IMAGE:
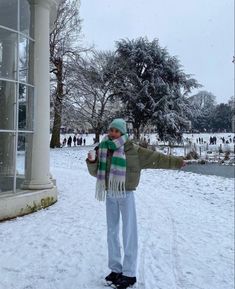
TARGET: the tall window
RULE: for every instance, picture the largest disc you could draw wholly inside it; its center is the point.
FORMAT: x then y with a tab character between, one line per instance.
16	90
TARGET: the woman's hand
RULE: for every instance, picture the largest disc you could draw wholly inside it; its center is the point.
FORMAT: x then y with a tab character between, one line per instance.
92	155
89	156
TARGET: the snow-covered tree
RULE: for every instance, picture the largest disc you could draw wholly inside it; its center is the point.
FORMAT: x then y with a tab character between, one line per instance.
153	86
221	118
203	100
203	105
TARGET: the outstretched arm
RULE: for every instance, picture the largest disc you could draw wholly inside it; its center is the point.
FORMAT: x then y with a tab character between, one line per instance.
154	160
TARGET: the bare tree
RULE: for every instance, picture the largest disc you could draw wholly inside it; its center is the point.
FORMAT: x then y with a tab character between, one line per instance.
93	95
64	44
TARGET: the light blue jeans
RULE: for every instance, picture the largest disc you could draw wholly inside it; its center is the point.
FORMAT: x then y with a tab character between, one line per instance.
125	206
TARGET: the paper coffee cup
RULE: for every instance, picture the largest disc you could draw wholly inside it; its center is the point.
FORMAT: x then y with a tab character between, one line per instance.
92	155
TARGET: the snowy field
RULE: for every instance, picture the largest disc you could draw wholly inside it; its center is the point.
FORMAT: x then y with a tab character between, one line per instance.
186	138
185	224
192	137
178	151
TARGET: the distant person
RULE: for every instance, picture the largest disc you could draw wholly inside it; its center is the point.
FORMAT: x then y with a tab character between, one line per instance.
84	141
214	140
69	141
74	140
64	142
211	140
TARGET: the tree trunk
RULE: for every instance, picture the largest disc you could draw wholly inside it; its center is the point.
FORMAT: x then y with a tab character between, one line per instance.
97	136
55	138
98	129
97	133
136	131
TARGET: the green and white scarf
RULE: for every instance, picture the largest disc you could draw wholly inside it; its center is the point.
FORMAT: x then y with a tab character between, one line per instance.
117	174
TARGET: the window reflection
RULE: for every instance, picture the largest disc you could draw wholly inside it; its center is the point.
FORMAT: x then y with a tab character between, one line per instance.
23	157
7	104
25	49
23	58
8	13
7	161
26	18
26	106
20	158
8	54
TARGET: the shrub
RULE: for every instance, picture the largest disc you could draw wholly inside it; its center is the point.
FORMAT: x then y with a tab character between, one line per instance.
226	156
192	155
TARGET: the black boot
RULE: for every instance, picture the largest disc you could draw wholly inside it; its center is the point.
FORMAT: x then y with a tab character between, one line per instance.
125	282
112	278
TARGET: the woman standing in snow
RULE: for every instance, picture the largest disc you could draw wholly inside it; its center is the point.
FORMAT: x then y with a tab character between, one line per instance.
117	167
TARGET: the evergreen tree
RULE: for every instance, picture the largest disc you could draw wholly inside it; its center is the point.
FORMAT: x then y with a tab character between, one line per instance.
222	118
153	86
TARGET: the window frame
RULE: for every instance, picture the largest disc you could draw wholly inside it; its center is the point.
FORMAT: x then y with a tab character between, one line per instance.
16	131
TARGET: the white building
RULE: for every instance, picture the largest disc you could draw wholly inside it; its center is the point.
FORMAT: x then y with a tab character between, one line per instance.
25	181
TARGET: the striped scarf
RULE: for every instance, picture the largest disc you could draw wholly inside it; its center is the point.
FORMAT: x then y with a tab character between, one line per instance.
117	174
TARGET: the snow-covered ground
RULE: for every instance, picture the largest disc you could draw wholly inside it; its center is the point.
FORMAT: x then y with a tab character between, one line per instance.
192	138
185	224
153	137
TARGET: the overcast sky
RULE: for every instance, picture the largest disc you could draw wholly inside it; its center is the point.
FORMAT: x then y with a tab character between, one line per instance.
199	32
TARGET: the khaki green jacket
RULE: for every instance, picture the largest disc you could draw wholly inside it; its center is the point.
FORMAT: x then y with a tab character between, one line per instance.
139	158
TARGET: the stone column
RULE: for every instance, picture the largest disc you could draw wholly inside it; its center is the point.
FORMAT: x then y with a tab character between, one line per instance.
37	175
